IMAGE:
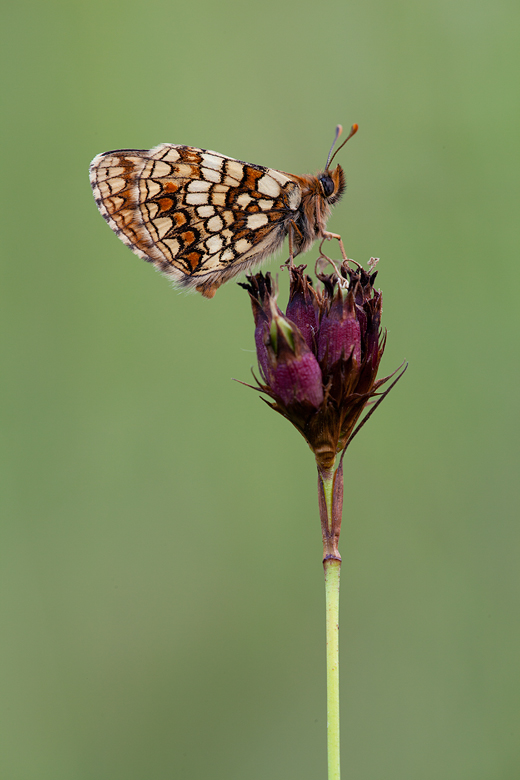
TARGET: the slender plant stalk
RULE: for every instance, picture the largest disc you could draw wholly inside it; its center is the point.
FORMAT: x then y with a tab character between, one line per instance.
332	569
330	491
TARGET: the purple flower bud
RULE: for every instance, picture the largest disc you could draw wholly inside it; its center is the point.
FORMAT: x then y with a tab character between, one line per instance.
302	308
287	365
339	336
260	289
261	341
296	378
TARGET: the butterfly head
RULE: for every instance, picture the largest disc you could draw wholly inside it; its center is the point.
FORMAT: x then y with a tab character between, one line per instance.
332	184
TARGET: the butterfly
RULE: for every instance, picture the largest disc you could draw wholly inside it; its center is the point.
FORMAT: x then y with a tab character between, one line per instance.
202	218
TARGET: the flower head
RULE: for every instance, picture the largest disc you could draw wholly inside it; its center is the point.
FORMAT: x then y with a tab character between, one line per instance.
319	362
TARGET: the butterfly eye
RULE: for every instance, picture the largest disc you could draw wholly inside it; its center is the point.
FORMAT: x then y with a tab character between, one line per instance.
327	185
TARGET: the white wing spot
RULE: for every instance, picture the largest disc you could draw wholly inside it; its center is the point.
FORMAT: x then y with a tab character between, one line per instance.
214	243
205	211
295	196
243	200
197	185
197	198
210	174
212	161
215	224
235	170
161	169
218	198
255	221
280	178
242	246
268	186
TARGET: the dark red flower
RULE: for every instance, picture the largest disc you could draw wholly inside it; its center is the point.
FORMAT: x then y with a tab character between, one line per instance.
319	362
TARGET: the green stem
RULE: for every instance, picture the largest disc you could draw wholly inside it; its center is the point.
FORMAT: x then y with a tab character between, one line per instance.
330	491
332	569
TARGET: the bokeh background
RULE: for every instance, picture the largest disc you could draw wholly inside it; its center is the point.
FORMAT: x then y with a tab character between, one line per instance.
162	594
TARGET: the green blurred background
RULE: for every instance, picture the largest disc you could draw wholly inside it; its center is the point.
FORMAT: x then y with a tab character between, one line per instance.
162	594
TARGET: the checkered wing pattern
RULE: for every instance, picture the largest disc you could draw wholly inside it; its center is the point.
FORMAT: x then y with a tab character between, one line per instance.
200	217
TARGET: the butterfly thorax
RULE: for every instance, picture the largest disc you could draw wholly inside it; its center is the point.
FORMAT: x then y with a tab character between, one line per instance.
318	194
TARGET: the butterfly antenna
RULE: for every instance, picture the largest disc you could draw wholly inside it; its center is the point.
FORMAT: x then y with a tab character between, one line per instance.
353	131
339	130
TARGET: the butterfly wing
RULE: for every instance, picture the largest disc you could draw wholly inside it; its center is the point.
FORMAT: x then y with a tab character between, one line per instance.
200	217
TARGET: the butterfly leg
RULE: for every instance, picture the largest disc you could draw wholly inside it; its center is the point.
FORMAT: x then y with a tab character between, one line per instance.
328	236
291	243
292	229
